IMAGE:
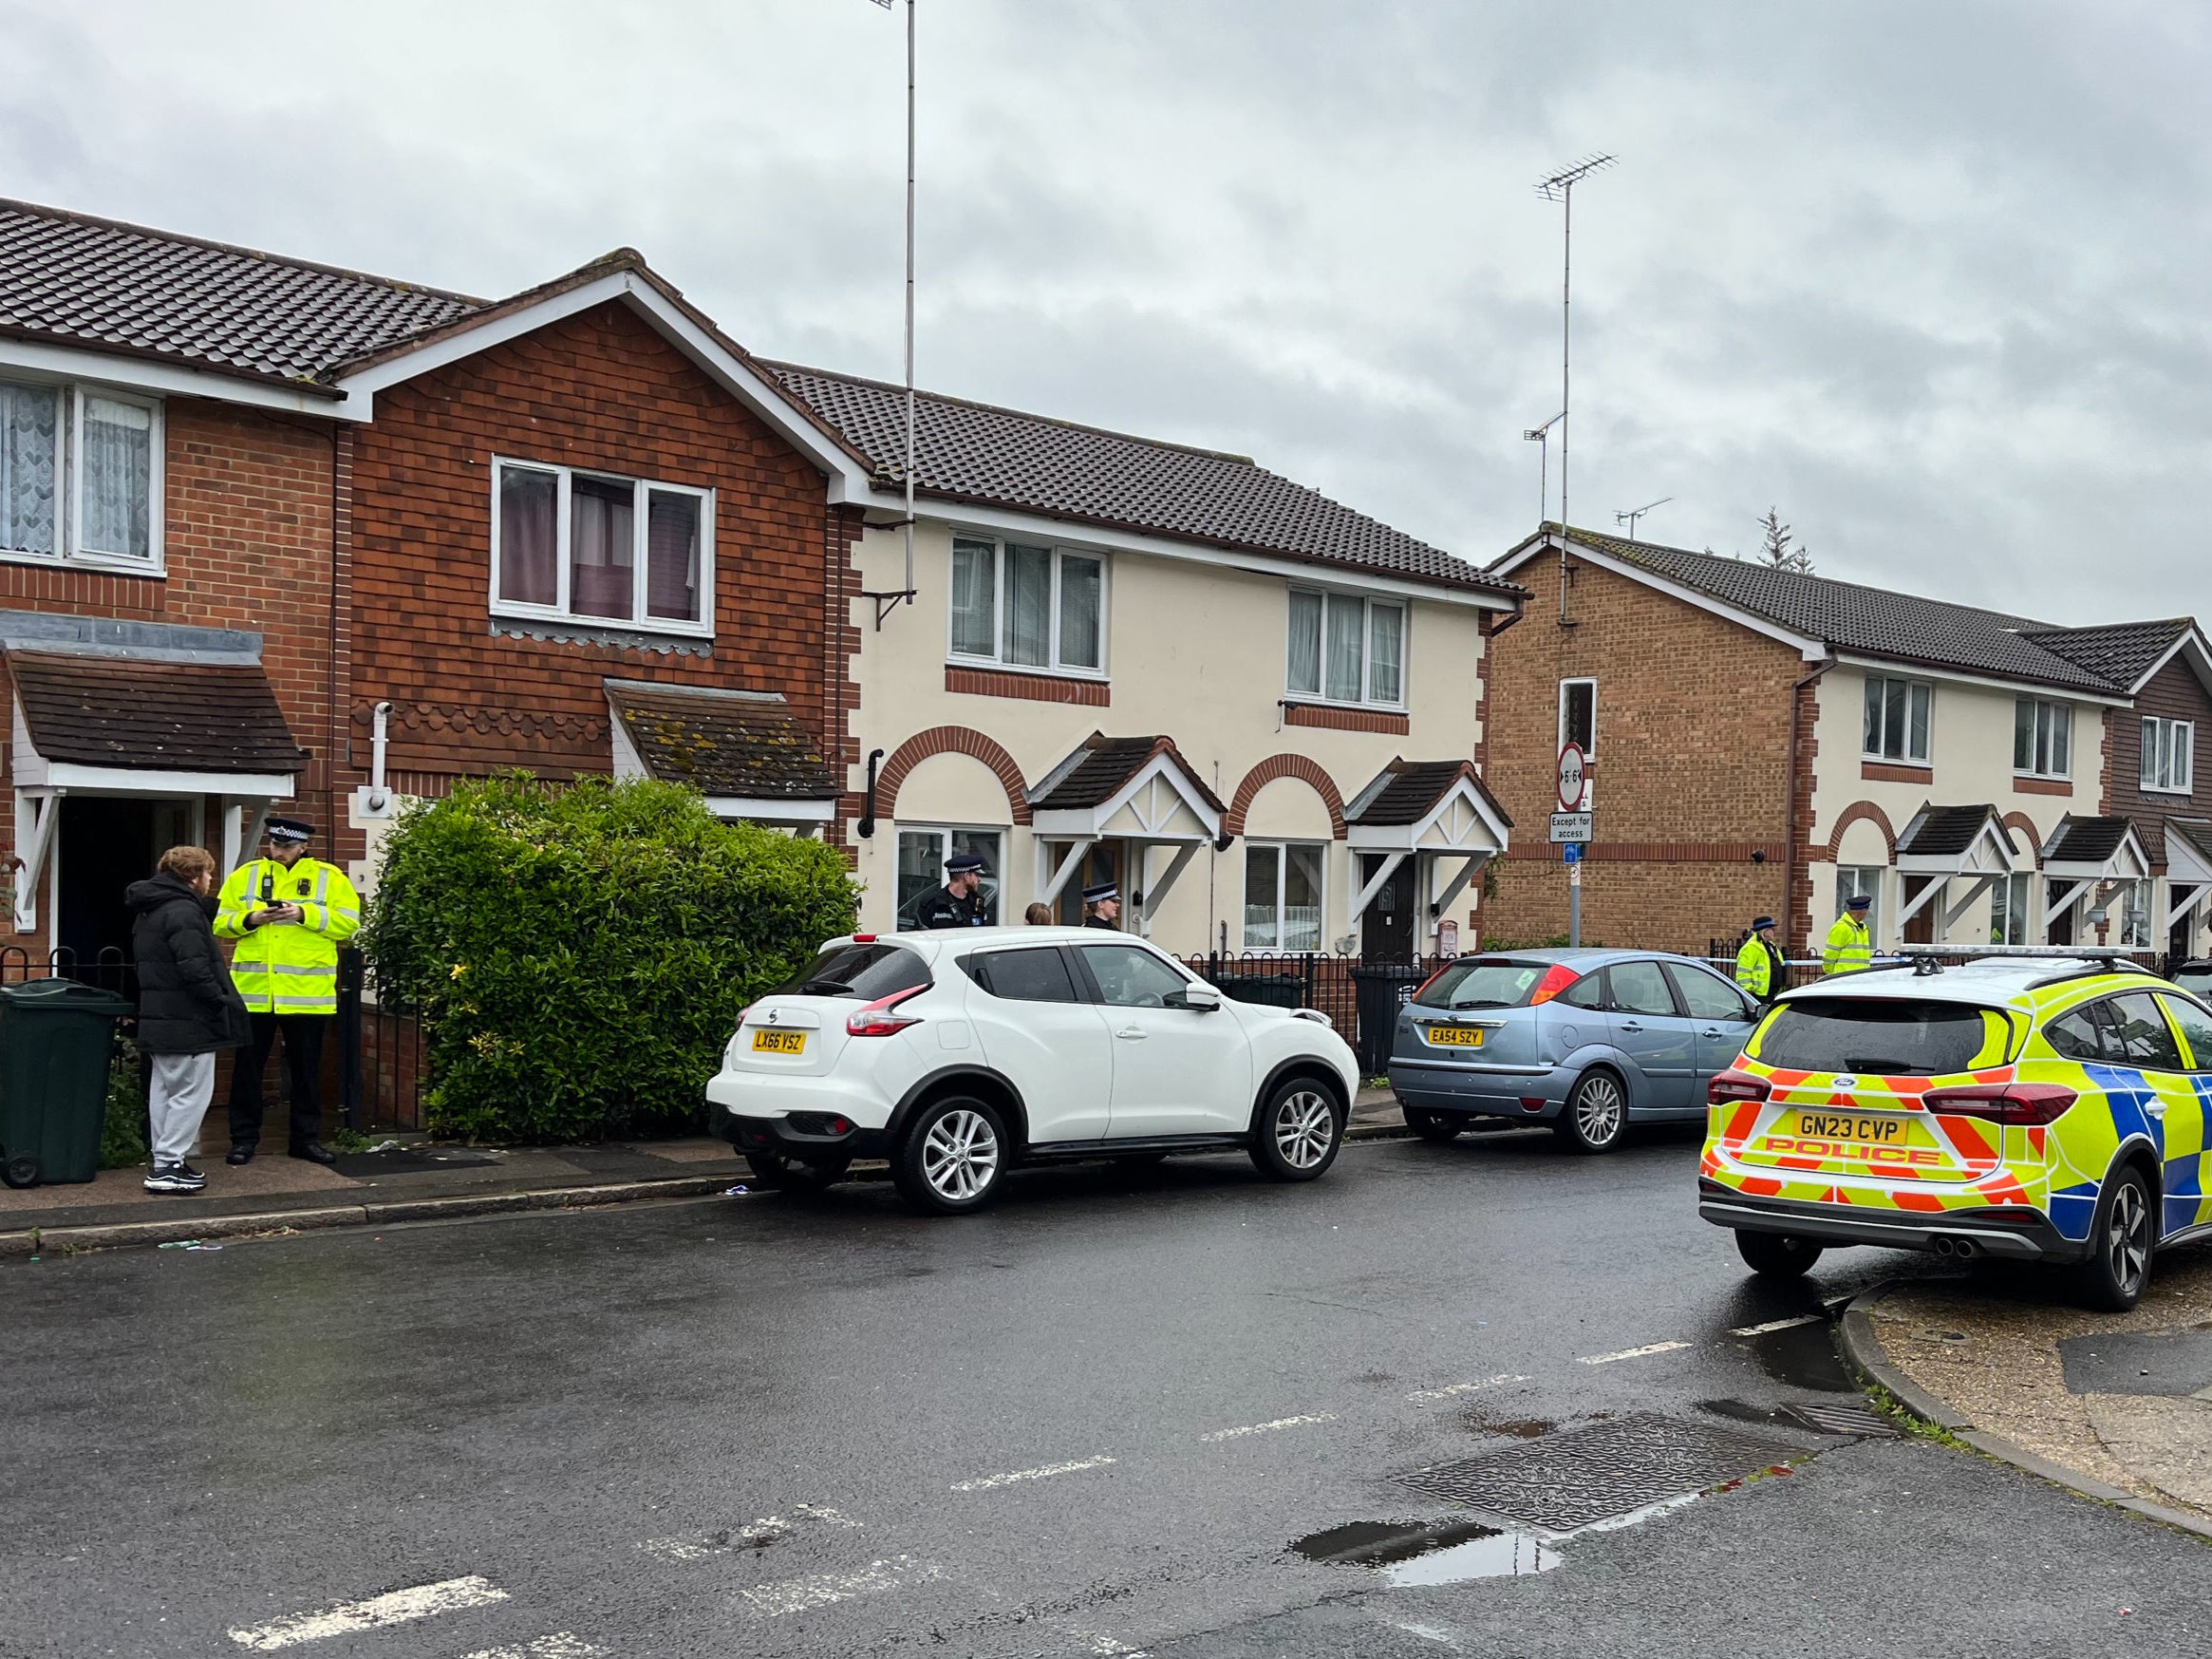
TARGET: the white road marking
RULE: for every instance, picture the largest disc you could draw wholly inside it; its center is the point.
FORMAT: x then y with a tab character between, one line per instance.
985	1482
560	1645
797	1595
1221	1434
1777	1324
755	1535
1107	1648
397	1608
1631	1354
1446	1393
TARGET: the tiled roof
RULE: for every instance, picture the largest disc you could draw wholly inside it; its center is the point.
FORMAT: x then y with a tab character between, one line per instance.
1404	792
723	742
1877	621
1099	765
95	283
1943	832
2085	841
153	716
975	452
2119	654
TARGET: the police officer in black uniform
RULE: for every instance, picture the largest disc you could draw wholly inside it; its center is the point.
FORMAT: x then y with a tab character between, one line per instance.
960	902
1102	907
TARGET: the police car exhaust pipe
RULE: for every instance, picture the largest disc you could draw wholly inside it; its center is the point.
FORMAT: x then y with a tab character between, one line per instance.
1955	1249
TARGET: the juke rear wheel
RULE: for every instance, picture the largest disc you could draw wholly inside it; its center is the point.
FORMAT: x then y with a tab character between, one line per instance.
2122	1241
953	1157
1299	1131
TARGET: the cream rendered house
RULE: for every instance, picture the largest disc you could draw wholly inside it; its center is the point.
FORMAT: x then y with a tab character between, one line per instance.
1258	711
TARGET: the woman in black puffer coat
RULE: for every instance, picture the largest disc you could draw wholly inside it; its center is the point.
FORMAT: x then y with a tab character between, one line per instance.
188	1008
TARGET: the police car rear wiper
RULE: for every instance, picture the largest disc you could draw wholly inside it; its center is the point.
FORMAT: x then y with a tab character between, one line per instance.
1887	1067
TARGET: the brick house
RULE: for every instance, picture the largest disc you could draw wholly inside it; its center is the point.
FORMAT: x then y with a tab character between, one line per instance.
1113	658
267	527
1769	740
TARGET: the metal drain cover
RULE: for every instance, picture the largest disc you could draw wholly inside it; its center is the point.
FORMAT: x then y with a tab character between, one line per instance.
1567	1480
1863	1421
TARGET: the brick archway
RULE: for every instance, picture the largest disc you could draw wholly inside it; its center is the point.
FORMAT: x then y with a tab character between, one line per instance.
1276	766
950	739
1861	812
2029	832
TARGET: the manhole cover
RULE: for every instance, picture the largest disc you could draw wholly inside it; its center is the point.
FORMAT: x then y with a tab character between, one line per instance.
1859	1419
1568	1480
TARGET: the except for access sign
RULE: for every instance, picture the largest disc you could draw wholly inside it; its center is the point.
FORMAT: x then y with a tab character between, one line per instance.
1572	826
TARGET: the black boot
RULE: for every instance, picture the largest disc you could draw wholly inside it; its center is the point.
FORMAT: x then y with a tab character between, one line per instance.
314	1152
241	1152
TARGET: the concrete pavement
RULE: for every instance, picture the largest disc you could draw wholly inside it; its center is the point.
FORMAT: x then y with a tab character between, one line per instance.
1120	1413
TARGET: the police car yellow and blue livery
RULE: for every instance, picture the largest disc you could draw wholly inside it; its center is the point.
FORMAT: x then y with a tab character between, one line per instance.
2035	1107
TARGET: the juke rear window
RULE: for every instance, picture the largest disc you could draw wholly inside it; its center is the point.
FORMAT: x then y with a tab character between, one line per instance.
866	971
1881	1037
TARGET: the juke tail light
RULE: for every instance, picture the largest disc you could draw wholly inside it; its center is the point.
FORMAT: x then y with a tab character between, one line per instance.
881	1017
1731	1088
2003	1103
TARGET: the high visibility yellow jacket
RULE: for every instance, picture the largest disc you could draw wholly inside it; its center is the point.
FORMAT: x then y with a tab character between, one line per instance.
1847	946
1754	968
287	968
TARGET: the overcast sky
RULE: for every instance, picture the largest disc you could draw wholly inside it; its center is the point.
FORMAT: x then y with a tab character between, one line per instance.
1934	277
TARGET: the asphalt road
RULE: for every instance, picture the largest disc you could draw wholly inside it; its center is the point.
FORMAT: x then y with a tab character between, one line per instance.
1090	1421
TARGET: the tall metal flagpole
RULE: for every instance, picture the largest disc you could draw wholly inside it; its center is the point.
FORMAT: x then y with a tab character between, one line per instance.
1560	187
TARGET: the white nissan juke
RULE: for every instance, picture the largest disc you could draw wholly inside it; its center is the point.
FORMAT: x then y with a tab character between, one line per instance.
957	1055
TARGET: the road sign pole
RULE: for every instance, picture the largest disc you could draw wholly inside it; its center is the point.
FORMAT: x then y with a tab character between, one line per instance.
1574	904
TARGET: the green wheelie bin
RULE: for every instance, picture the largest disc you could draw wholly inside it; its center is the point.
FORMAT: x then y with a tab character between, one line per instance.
57	1039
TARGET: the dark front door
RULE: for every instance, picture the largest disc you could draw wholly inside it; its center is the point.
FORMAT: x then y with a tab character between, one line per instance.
1386	926
1921	930
104	844
2177	937
2061	927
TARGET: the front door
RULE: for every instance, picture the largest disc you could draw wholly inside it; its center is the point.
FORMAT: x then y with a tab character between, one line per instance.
2177	936
103	843
1103	862
1921	928
1176	1070
1386	926
2060	930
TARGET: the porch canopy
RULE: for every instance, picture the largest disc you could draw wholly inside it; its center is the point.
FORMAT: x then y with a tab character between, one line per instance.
2088	852
1963	851
1436	812
2189	864
1137	790
104	707
745	751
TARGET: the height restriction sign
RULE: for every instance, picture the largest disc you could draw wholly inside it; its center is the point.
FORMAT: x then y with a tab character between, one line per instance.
1573	777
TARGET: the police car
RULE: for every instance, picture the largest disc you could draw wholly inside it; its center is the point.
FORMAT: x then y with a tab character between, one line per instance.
2026	1106
958	1054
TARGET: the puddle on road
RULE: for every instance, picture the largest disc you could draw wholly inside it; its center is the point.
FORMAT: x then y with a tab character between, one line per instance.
1410	1553
1741	1412
1804	1356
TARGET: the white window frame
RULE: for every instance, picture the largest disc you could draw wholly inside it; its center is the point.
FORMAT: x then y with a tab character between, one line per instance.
1366	699
995	874
1591	681
1282	851
997	657
2050	717
1874	888
70	472
2177	739
2005	915
1908	758
641	526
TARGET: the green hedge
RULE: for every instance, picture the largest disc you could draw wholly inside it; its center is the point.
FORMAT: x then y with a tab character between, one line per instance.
578	954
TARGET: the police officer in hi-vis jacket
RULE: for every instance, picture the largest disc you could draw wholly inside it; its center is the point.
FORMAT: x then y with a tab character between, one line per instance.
289	914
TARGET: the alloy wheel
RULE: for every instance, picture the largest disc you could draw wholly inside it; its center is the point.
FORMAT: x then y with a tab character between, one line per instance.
2128	1237
960	1155
1598	1110
1305	1128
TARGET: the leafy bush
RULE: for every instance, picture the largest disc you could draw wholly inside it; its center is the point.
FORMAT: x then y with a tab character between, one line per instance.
579	954
124	1131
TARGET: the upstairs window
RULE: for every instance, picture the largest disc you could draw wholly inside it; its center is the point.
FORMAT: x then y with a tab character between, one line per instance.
80	476
1578	715
596	547
2168	755
2042	737
1028	607
1344	648
1897	720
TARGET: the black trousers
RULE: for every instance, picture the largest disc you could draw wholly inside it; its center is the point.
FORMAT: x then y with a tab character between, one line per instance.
302	1063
